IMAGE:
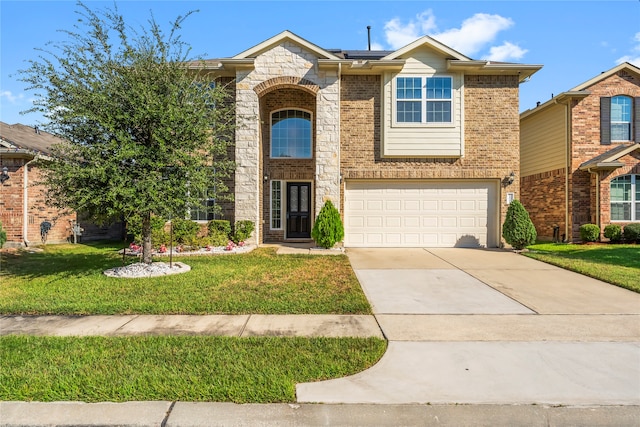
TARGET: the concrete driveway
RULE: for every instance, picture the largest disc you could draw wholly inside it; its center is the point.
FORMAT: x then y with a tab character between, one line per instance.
475	326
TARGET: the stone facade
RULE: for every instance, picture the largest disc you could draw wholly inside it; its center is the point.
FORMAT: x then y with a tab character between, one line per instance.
290	70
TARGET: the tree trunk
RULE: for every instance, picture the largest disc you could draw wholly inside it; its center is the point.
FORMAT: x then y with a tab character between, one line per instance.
146	238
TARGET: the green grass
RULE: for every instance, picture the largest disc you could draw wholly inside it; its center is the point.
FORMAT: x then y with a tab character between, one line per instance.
69	279
221	369
616	264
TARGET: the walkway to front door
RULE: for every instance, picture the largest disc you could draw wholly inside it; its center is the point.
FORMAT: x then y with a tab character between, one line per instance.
298	210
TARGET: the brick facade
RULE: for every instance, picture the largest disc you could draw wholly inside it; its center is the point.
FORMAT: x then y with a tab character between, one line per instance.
552	198
545	200
491	150
12	208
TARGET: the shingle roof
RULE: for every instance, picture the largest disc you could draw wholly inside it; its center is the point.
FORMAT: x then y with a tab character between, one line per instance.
24	137
609	159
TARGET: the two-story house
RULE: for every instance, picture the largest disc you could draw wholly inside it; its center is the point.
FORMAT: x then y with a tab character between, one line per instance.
417	147
580	156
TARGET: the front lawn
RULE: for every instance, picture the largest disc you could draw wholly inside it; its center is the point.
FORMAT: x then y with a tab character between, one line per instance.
221	369
616	264
69	279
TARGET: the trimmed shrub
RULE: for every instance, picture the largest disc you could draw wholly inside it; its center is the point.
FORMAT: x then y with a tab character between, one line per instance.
518	230
632	233
185	231
217	226
613	232
158	234
328	228
589	232
242	231
3	236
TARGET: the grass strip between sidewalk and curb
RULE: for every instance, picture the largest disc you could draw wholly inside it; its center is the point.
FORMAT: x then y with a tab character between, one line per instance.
221	369
69	280
615	264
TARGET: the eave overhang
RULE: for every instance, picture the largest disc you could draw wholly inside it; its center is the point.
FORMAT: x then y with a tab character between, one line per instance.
17	153
609	160
562	98
348	66
523	71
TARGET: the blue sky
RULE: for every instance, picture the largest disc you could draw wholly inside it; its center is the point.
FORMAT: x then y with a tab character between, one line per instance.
573	40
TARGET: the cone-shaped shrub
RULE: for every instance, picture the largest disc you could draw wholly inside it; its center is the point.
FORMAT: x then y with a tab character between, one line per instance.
328	229
518	230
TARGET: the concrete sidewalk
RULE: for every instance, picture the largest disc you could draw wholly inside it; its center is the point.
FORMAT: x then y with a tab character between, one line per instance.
243	325
188	414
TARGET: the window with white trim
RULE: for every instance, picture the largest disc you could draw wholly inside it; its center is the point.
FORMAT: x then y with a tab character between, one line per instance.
625	198
276	205
424	99
291	134
204	211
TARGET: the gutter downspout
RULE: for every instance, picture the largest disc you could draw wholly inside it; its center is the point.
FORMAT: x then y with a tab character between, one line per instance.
25	201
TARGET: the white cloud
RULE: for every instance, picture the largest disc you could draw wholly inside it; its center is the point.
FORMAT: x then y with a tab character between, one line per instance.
634	57
474	35
505	52
11	97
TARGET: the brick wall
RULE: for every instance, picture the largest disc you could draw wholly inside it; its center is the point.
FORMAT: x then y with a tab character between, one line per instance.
491	135
585	145
544	199
12	208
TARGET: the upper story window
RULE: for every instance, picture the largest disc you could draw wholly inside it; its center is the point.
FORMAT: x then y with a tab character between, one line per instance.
621	118
291	134
625	198
424	99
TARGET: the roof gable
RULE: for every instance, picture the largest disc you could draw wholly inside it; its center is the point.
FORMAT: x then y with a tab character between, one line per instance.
431	43
279	39
610	159
606	74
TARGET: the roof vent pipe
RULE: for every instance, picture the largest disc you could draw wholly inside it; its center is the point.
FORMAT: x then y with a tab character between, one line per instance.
369	35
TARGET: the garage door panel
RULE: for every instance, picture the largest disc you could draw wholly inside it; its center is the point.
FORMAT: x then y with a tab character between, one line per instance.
420	213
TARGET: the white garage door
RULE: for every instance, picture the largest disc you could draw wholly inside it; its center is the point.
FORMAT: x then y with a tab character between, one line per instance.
420	214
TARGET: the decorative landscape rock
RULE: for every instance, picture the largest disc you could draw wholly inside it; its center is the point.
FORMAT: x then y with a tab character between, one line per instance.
154	269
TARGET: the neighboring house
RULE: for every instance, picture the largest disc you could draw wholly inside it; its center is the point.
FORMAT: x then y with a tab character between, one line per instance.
580	156
417	147
23	212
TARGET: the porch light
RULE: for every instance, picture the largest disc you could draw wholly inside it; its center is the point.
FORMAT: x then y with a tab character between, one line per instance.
511	178
5	175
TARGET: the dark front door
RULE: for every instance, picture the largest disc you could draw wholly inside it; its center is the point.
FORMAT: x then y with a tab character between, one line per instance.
298	210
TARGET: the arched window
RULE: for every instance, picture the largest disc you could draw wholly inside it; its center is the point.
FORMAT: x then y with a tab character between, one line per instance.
620	118
625	198
291	134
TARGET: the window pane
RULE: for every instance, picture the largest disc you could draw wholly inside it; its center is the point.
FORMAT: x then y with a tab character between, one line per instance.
621	189
621	211
409	88
621	131
439	111
276	209
409	111
204	211
439	88
621	118
293	198
304	198
291	134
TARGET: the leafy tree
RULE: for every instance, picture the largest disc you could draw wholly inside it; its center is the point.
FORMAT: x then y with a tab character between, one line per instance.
146	131
518	230
328	228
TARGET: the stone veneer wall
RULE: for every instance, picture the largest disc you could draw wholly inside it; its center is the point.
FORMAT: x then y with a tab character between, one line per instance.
491	132
585	145
285	60
283	169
